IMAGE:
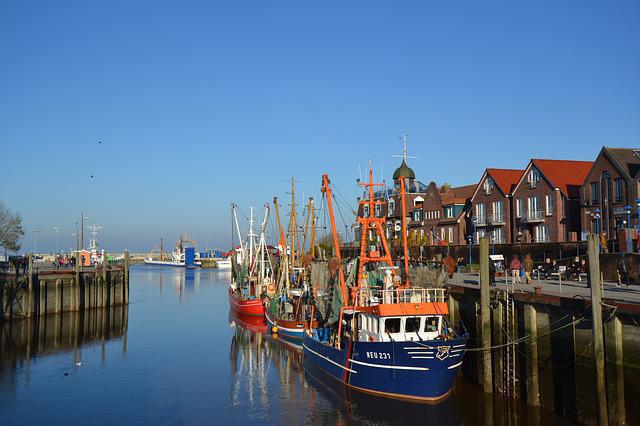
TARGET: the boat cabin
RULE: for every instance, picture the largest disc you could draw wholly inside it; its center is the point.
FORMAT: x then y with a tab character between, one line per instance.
405	328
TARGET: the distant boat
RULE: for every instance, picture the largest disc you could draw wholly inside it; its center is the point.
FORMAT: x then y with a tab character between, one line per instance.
184	255
224	263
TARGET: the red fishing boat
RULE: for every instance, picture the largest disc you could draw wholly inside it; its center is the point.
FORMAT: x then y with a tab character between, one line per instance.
245	306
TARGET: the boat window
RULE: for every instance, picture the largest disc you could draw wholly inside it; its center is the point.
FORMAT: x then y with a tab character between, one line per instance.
412	325
374	324
431	325
392	325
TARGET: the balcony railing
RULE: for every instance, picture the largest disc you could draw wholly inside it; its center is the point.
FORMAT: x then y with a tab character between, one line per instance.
481	220
496	219
371	297
532	216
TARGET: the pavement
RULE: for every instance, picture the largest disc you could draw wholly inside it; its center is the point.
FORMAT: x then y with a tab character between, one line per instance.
567	289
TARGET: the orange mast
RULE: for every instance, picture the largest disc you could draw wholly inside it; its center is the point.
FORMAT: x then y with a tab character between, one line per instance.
372	226
336	243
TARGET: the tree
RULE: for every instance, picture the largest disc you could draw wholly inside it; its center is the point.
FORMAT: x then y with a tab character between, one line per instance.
10	228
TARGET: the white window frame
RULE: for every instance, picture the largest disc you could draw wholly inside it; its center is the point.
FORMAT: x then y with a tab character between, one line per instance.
391	207
549	204
519	207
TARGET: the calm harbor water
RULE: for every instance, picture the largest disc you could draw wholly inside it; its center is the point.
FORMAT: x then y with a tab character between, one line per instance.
176	355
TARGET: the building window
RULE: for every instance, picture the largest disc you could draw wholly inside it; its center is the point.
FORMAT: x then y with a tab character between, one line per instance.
451	234
448	211
392	207
619	185
417	215
498	236
542	234
480	212
488	185
519	207
549	204
378	210
595	192
534	177
365	210
497	211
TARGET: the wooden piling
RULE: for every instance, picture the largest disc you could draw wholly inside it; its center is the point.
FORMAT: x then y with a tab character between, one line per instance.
531	353
615	372
58	289
498	339
125	287
593	248
485	310
42	293
30	272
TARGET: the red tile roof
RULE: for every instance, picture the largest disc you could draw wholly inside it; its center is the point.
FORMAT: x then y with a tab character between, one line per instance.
568	175
458	195
505	179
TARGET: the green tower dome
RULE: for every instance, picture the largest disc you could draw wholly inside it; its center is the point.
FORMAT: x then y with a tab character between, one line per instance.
404	171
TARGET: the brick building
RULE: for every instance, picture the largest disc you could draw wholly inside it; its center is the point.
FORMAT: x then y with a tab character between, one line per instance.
456	205
612	184
546	201
491	204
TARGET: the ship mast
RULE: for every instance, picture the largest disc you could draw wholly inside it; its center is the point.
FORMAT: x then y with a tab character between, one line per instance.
282	241
326	189
235	219
251	236
292	227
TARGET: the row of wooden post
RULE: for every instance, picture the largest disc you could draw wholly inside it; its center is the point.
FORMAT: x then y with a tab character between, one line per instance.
530	323
102	298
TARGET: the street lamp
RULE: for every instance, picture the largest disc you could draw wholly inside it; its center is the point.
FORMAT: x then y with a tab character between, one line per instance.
596	216
55	229
628	208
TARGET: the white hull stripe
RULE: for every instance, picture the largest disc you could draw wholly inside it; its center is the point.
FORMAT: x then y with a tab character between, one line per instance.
420	353
451	367
422	348
330	360
421	357
392	367
457	350
458	346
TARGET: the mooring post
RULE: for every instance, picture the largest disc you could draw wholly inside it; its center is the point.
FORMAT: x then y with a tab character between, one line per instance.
42	304
105	266
58	296
452	310
531	348
615	373
126	278
485	312
499	339
593	248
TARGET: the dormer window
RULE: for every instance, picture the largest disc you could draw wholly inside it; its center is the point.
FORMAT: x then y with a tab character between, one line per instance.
533	178
365	211
488	185
392	207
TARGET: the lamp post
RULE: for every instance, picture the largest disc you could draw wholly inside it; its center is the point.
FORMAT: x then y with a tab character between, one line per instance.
493	244
628	208
475	221
470	241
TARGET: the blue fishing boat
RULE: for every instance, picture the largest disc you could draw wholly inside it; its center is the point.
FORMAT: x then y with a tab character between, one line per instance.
391	340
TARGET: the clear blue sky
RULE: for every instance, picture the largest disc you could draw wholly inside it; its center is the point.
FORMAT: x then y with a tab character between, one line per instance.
201	103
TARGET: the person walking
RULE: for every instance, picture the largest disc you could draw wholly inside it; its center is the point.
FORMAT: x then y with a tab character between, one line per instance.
515	266
528	268
492	272
603	242
623	273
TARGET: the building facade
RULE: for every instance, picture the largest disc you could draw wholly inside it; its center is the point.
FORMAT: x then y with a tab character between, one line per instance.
546	201
610	192
491	205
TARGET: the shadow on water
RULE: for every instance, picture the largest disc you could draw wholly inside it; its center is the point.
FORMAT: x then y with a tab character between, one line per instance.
323	400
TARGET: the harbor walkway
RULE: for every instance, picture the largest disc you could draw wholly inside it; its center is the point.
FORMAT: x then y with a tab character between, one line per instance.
564	289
